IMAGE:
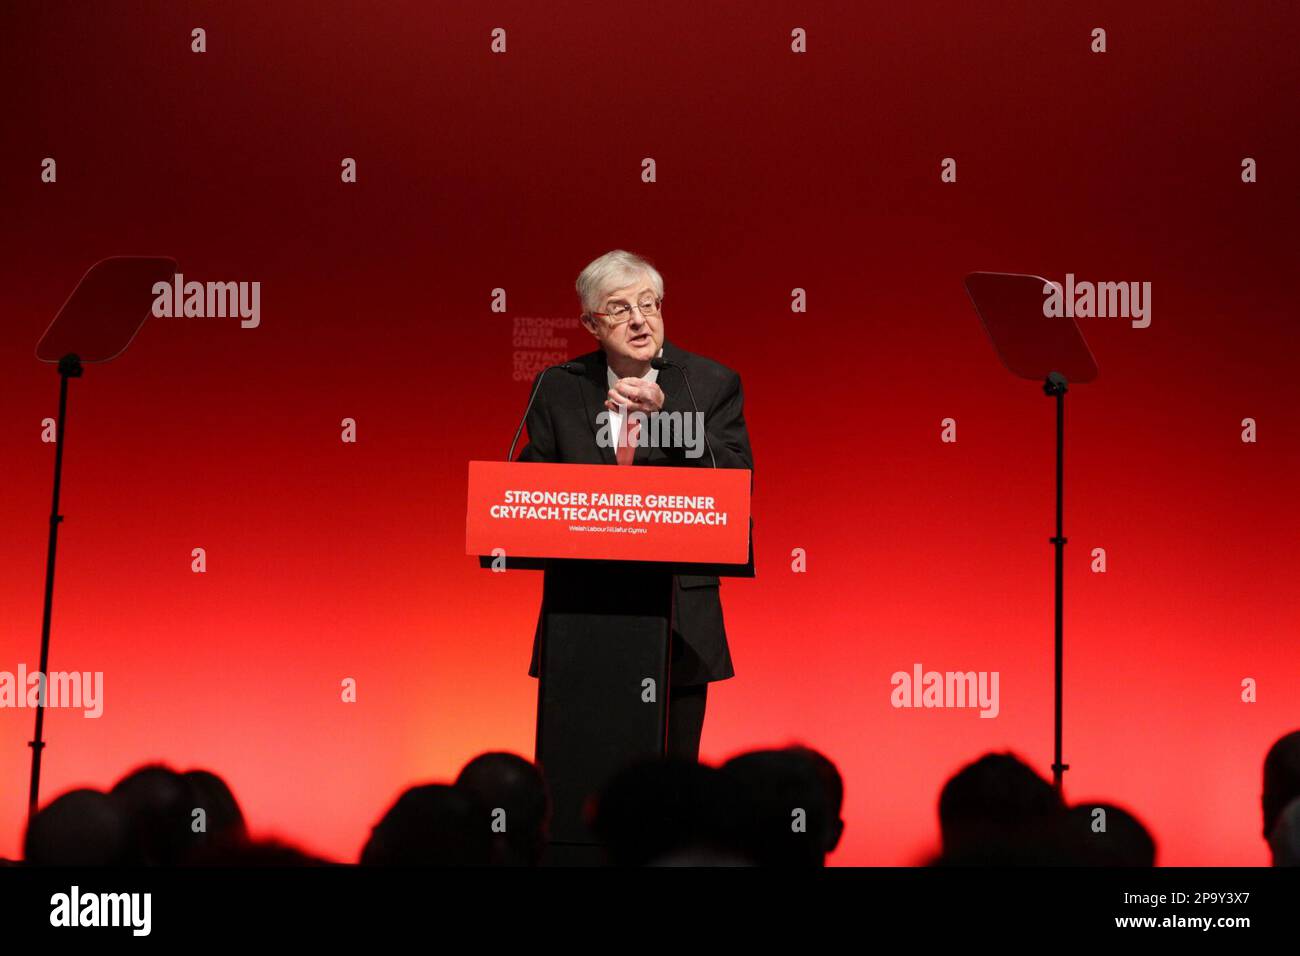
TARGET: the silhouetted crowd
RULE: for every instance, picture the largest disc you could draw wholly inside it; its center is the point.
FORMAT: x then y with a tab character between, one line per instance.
763	808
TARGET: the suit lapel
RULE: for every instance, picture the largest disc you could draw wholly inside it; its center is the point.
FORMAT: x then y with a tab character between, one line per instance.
671	381
594	389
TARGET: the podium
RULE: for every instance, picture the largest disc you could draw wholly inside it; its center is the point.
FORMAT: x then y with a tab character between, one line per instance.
609	540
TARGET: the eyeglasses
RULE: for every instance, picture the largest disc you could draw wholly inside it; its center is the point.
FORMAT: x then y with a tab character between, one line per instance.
622	312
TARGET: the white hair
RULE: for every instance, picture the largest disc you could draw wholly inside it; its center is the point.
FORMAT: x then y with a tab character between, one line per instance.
614	270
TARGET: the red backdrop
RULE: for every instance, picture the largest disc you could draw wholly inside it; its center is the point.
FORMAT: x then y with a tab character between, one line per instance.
775	171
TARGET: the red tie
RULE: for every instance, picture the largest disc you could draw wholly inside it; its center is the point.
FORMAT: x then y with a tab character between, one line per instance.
627	447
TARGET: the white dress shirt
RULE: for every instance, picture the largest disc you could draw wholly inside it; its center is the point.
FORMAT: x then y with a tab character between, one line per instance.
620	411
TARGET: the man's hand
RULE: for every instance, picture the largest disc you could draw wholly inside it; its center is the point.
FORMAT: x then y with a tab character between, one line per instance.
636	393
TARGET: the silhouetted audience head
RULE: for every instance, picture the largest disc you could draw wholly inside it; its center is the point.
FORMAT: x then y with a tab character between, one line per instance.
80	828
992	801
431	825
223	819
767	807
158	805
1111	837
245	852
1284	841
833	786
512	793
656	809
1281	778
786	815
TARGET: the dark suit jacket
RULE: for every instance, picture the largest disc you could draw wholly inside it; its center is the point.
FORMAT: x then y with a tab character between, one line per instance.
562	426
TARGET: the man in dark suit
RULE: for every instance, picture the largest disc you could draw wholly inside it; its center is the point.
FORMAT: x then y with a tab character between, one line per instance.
575	415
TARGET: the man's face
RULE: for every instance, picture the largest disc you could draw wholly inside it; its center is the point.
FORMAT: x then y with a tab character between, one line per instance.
636	336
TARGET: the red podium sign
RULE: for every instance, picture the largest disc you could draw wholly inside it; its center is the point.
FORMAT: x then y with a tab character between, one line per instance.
608	512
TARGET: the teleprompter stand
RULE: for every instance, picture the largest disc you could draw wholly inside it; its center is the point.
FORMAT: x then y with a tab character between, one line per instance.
96	324
1050	350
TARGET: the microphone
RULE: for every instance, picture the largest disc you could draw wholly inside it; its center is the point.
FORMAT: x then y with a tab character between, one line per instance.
663	363
573	368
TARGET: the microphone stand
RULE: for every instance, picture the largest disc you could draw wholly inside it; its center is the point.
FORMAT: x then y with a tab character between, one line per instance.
573	368
662	363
